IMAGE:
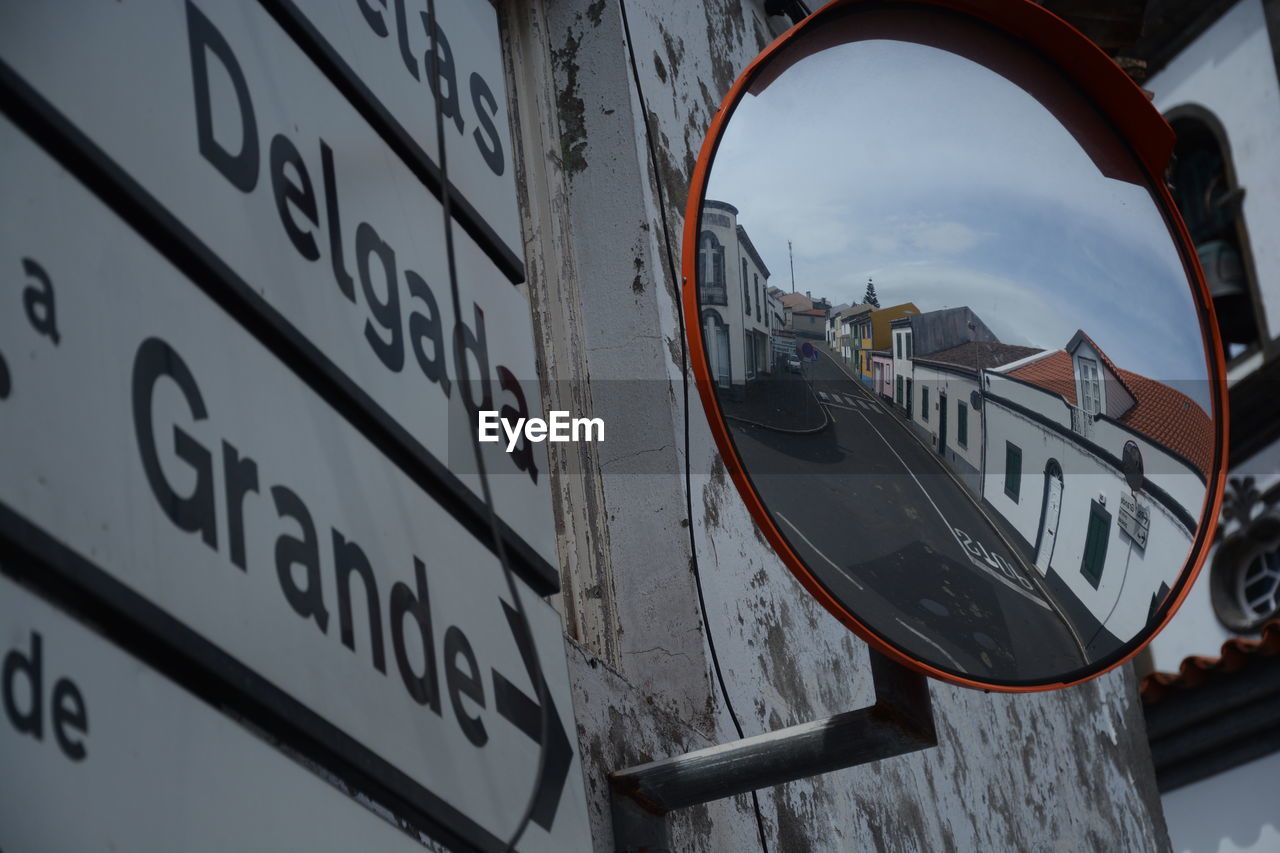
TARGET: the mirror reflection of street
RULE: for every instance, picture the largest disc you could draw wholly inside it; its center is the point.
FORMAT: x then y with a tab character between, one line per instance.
951	410
893	458
880	521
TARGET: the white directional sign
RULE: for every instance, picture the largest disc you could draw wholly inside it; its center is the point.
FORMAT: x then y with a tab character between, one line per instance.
1135	518
98	749
174	457
388	49
225	124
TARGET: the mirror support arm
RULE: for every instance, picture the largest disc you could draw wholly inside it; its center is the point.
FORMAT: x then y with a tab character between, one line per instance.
900	721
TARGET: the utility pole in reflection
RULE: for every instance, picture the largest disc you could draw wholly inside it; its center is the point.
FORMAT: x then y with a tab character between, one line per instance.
791	258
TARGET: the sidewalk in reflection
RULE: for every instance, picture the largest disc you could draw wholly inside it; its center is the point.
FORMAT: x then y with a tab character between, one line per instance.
782	401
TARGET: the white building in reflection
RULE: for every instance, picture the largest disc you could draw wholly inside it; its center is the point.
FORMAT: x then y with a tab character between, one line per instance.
1100	473
782	341
949	416
924	334
733	287
833	325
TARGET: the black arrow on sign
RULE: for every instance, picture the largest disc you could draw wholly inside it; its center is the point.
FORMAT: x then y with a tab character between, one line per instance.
526	715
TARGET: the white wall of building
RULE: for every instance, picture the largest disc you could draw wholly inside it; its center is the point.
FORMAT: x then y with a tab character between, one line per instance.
745	314
1212	73
1130	574
924	405
1230	71
882	375
776	322
902	363
1195	629
957	390
1242	805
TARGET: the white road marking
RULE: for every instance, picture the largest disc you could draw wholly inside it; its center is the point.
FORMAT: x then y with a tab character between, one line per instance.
823	395
954	663
972	559
861	405
815	550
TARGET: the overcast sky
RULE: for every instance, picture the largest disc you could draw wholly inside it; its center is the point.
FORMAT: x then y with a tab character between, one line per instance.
948	185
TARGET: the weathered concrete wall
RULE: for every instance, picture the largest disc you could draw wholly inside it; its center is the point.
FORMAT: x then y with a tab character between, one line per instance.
1061	771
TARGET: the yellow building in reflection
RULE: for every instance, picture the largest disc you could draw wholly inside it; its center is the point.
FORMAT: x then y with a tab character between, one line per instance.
871	332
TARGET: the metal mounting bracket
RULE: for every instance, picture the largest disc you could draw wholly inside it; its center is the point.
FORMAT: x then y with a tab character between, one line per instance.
900	721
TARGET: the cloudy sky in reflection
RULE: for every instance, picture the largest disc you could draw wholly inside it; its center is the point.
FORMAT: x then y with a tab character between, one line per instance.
948	185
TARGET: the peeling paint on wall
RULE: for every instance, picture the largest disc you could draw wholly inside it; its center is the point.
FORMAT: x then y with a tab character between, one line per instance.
570	107
726	23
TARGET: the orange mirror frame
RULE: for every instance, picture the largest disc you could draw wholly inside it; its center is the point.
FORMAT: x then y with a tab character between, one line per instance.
1150	138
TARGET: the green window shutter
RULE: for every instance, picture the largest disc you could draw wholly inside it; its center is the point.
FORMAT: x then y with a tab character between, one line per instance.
1095	543
962	424
924	403
1012	470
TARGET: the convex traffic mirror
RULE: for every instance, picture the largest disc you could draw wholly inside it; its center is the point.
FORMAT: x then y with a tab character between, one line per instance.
952	340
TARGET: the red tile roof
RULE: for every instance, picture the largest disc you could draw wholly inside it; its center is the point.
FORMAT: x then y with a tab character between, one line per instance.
1161	413
1170	418
1052	373
1196	670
